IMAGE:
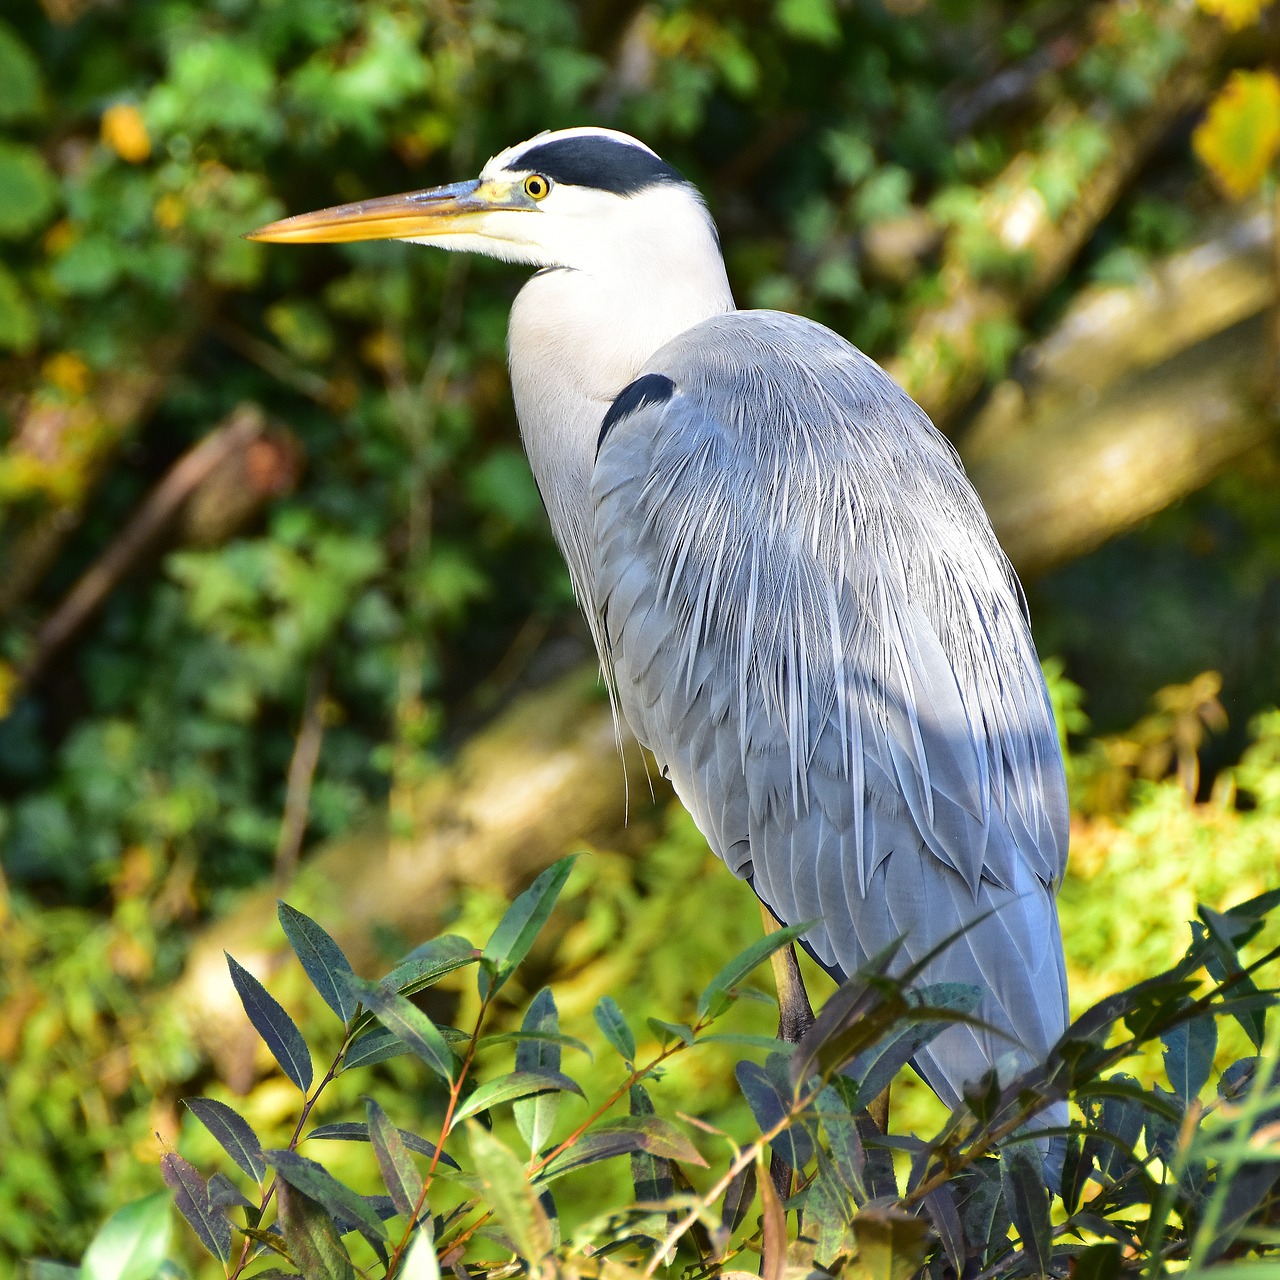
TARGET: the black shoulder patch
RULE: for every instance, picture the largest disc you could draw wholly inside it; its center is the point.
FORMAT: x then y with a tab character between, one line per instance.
603	163
649	388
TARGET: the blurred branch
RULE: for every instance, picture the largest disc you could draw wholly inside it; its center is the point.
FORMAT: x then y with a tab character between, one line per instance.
70	439
1142	394
219	482
302	771
945	360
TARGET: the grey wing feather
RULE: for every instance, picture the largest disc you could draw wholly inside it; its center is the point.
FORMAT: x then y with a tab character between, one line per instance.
810	623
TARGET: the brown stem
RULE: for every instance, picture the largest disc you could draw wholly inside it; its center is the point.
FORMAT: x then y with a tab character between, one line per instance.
302	769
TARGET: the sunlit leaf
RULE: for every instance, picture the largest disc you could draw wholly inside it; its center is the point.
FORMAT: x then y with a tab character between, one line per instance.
316	1182
519	927
405	1020
891	1244
1240	136
232	1133
358	1131
274	1025
420	1261
535	1117
507	1189
1236	14
518	1084
613	1024
621	1137
311	1236
191	1195
132	1243
27	190
718	992
1188	1055
399	1173
321	958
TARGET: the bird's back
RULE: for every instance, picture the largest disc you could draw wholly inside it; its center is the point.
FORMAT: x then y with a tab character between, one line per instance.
809	621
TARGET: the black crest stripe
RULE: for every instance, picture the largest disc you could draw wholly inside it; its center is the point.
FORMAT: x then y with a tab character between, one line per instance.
649	388
603	163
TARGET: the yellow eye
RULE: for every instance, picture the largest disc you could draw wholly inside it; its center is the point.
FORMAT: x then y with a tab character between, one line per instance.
536	186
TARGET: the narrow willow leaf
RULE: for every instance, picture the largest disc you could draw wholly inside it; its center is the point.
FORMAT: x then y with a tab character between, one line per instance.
191	1195
891	1244
358	1131
1098	1262
773	1222
668	1031
311	1236
547	1037
274	1025
519	927
404	1019
828	1214
848	1156
321	958
519	1084
316	1182
224	1194
613	1024
940	1205
718	993
769	1105
1027	1198
650	1174
420	1261
513	1200
424	966
132	1243
535	1116
399	1173
1188	1055
232	1133
739	1196
373	1047
621	1137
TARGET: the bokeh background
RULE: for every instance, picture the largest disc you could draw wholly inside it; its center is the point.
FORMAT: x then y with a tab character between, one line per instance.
279	610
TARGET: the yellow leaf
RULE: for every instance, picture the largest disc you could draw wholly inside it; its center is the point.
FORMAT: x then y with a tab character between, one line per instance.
1235	14
8	687
1240	135
125	132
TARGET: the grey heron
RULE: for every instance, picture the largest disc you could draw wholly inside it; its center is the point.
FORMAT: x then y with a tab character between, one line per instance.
795	593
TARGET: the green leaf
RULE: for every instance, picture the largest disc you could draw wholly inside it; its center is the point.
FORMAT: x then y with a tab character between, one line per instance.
424	966
404	1019
358	1131
420	1261
317	1183
191	1195
27	190
399	1173
891	1244
535	1117
19	327
321	958
507	1190
1188	1055
668	1031
44	1269
811	20
1098	1262
21	94
520	926
376	1046
613	1023
621	1137
719	991
132	1243
311	1237
232	1133
1027	1198
273	1024
650	1174
770	1106
519	1084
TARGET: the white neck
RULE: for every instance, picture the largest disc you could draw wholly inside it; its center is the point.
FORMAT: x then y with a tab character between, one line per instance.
579	335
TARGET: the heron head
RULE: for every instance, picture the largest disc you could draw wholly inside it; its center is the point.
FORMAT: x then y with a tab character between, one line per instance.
578	198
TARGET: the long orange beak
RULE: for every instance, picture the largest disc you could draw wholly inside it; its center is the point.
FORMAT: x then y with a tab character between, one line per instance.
438	211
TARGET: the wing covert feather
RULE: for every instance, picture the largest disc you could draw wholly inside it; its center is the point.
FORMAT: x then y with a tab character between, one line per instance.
811	625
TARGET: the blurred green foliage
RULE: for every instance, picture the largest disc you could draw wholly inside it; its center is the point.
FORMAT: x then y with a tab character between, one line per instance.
143	777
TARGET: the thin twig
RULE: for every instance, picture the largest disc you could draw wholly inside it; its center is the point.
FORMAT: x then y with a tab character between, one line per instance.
302	771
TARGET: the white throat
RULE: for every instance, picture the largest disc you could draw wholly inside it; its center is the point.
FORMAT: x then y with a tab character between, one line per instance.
580	333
